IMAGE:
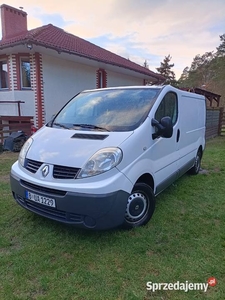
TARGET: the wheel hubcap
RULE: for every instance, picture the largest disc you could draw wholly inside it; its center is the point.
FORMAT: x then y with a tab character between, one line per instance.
136	207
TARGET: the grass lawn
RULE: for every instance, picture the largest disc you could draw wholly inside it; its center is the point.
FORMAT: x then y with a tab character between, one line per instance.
184	241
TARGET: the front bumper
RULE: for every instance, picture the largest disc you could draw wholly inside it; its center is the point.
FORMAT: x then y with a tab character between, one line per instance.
95	211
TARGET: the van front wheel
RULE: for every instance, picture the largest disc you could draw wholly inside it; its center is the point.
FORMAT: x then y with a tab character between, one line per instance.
140	206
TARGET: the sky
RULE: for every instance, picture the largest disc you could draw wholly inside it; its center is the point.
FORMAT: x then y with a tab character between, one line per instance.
141	30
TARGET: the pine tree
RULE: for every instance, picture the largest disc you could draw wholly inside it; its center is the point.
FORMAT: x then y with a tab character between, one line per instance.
207	71
201	72
221	48
184	75
165	70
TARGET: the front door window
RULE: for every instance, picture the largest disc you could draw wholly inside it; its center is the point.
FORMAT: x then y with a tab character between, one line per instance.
3	75
25	73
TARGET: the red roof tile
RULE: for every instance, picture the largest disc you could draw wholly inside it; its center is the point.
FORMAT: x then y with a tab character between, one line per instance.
56	38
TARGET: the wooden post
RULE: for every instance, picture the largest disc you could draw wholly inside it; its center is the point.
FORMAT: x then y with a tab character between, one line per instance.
19	112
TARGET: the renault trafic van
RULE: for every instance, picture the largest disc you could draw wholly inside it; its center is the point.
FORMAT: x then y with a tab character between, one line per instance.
102	159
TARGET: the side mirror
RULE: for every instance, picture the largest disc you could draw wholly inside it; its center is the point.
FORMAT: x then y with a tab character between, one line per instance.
165	127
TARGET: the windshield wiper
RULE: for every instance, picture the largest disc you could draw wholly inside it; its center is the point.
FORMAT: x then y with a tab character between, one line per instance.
90	126
61	125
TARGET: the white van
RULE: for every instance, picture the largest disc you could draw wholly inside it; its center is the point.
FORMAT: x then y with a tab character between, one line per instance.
100	162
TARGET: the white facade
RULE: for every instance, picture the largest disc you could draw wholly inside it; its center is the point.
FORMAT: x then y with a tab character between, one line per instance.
44	67
117	79
12	94
11	109
62	77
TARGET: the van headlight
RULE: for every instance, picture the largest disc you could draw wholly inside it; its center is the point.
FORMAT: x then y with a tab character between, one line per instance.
24	150
102	161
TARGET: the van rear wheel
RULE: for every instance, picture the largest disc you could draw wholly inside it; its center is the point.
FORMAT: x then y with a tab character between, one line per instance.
196	168
140	206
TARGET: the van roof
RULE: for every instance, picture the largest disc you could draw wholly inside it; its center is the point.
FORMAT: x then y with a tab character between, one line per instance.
127	87
160	87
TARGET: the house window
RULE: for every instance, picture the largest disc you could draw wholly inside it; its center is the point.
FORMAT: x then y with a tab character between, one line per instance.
101	78
3	75
25	73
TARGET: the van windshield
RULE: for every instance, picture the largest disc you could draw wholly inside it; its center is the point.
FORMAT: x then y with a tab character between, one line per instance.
110	109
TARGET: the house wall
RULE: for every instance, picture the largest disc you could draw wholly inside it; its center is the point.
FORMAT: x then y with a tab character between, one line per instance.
13	94
117	79
58	81
62	80
11	109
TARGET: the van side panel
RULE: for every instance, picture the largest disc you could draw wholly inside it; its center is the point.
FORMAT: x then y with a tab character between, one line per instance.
165	159
192	113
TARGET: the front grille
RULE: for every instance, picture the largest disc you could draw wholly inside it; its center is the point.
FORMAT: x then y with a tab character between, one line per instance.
39	188
32	165
49	212
61	172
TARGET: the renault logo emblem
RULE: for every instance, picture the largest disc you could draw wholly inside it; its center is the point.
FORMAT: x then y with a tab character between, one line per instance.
45	170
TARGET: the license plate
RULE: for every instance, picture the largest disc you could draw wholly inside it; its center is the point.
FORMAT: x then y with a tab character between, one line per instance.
40	199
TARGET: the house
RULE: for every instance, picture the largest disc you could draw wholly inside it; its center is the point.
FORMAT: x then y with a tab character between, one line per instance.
42	68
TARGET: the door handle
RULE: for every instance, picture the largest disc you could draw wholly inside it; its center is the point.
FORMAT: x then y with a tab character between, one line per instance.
178	135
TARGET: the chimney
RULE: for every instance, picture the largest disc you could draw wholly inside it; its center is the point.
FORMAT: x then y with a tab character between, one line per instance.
14	21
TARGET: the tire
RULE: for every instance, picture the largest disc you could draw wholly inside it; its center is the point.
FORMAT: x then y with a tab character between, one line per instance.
140	206
196	168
